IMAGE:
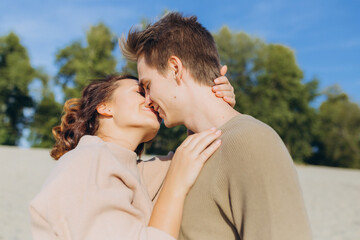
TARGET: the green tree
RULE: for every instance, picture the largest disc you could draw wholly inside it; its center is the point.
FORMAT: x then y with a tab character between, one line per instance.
338	136
239	52
78	63
47	115
282	100
269	86
16	73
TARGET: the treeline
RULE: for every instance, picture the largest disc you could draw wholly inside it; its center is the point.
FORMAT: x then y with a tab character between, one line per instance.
269	85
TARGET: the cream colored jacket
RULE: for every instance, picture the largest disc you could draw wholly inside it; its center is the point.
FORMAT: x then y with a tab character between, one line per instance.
97	191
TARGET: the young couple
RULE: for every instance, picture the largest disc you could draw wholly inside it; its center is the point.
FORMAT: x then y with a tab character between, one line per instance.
247	189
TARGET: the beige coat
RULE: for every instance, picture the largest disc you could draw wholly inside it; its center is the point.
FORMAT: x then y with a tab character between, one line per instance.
96	191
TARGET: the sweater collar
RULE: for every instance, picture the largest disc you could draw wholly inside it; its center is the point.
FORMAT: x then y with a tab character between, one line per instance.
118	150
230	124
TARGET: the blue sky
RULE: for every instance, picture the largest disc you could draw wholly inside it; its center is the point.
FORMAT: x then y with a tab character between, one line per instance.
324	34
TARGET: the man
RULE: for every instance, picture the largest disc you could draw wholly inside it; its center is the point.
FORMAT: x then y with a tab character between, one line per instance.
249	188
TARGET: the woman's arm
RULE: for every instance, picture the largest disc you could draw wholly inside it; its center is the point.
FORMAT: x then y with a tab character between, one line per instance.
185	166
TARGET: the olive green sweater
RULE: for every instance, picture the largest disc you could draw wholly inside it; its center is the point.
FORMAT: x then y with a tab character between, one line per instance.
247	190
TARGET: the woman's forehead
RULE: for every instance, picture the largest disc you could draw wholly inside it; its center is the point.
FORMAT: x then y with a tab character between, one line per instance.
128	82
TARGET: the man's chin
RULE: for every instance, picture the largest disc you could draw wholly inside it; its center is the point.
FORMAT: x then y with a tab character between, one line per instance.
169	124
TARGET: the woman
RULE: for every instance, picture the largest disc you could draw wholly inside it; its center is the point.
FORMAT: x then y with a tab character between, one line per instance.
96	190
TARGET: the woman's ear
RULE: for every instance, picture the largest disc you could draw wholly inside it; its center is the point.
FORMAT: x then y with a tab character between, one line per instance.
176	67
104	110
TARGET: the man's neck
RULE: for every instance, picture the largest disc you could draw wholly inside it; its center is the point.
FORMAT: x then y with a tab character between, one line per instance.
207	111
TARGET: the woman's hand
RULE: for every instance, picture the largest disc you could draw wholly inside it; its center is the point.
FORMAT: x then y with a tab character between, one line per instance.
189	159
223	88
185	166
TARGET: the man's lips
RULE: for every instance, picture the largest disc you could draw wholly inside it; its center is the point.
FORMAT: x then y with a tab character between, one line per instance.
158	116
161	113
155	112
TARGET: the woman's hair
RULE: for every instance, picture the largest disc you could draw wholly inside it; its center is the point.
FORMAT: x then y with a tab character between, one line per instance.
81	117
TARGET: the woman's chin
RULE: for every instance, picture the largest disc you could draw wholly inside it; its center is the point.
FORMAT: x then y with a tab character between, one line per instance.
151	133
148	138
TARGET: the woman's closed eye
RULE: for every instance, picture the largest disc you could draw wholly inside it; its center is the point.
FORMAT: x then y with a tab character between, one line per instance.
141	91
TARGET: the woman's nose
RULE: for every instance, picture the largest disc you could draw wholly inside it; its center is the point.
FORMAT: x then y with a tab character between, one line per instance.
148	101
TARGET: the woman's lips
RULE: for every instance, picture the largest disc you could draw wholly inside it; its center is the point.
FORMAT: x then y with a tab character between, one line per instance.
154	112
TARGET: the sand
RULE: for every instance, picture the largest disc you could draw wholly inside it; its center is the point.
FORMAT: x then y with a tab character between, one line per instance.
332	198
332	195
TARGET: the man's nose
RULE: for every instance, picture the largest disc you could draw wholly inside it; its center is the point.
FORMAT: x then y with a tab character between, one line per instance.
148	101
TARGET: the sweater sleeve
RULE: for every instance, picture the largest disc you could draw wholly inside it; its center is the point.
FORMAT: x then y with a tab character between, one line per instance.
99	214
153	173
40	227
112	215
95	198
258	190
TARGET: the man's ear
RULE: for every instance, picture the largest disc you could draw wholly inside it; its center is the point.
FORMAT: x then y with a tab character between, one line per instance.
104	110
176	68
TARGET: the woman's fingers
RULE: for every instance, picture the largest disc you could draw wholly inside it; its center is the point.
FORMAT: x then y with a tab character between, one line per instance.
187	140
194	138
225	90
189	159
222	87
223	70
208	152
199	137
227	95
205	142
230	100
221	80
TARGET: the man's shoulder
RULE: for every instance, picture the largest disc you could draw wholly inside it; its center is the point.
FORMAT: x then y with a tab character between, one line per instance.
249	141
245	128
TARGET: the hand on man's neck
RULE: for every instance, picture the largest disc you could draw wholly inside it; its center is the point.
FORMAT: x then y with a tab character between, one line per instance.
205	110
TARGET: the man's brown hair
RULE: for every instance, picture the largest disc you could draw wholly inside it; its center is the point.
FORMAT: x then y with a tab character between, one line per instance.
175	35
